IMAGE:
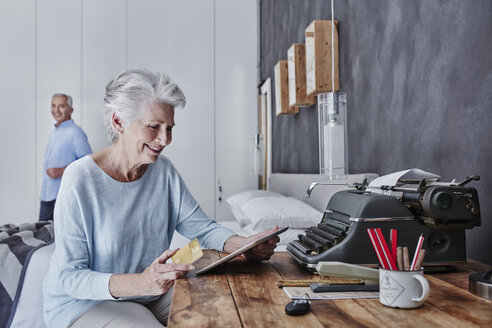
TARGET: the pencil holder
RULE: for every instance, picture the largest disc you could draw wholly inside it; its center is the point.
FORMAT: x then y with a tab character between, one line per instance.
403	289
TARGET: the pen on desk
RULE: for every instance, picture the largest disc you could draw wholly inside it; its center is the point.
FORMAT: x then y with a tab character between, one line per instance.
386	251
399	258
377	248
393	243
417	251
308	282
406	259
420	259
323	288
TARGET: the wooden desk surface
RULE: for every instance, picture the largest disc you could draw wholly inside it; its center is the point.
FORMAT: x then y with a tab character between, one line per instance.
245	294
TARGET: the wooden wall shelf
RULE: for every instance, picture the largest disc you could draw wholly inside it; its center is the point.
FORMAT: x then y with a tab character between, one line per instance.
296	63
318	57
282	90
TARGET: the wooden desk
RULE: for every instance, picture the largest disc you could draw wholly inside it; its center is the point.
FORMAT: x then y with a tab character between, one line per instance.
246	295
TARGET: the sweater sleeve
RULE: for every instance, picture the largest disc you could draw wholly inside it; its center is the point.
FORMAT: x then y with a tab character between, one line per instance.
73	247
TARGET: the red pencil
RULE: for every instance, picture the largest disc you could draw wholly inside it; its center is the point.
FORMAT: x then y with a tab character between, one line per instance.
386	251
377	248
393	242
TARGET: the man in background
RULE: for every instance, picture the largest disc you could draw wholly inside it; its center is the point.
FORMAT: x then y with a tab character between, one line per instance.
67	143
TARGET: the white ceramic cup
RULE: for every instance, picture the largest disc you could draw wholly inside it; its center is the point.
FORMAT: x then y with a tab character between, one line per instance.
403	289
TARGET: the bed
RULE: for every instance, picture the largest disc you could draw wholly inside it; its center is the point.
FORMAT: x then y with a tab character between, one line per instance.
285	203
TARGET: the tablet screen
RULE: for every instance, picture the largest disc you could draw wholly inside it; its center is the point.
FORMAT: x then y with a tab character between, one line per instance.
241	250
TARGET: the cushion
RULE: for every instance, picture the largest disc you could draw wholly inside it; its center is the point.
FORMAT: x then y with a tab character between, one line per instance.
240	217
238	200
267	212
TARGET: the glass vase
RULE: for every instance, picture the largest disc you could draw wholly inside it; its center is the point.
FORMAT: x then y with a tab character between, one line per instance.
332	135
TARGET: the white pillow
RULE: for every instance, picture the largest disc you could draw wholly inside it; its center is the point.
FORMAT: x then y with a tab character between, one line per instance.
240	217
285	237
266	212
238	200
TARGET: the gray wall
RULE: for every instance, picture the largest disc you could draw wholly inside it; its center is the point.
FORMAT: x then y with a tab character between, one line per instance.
418	78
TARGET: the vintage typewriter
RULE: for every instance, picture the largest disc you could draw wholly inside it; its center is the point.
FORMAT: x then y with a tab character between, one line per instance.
440	211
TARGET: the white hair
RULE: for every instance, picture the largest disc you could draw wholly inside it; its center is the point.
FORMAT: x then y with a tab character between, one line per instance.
132	91
69	98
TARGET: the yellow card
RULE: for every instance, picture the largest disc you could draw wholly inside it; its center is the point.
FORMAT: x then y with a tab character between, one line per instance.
188	254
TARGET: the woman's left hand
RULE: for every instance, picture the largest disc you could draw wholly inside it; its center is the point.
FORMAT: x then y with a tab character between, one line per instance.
263	251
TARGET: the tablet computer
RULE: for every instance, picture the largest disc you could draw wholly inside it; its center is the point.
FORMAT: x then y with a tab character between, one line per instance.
241	250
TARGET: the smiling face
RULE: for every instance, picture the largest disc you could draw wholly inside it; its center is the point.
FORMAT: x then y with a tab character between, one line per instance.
60	110
145	138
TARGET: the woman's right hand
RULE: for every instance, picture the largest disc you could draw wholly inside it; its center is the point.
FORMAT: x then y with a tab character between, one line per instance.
156	279
159	277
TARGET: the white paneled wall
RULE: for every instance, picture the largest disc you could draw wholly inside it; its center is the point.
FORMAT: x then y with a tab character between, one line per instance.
192	57
103	56
149	34
17	111
209	47
236	97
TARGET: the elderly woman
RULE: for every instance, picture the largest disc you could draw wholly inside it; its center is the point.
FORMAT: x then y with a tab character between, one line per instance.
116	214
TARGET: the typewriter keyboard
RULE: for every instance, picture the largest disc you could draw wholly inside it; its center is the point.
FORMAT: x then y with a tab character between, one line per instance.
317	239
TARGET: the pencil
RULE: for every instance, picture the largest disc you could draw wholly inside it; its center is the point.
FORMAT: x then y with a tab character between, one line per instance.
393	242
386	251
377	248
420	259
399	257
417	251
406	259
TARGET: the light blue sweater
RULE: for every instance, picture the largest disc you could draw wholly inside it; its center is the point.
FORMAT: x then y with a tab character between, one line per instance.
103	226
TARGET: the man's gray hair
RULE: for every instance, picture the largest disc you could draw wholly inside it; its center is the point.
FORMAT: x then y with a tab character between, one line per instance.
131	92
69	98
